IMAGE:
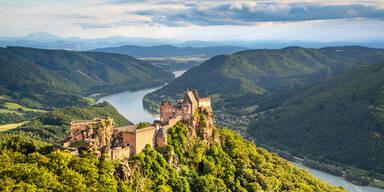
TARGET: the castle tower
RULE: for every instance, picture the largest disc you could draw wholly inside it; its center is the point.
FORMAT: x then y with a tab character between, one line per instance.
165	111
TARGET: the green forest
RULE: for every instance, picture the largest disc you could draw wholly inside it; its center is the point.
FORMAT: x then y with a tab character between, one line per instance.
244	78
339	121
324	105
33	81
185	164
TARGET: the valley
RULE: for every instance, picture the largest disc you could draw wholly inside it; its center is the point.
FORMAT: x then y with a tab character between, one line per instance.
52	126
192	96
306	114
129	105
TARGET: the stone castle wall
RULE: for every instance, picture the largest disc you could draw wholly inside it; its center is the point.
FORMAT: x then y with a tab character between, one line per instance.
119	153
205	102
172	122
99	136
165	111
145	136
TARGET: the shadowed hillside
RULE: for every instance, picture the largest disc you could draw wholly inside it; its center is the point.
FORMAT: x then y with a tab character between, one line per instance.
337	120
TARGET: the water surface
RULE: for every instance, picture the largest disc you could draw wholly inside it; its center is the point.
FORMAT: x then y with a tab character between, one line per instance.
130	103
338	181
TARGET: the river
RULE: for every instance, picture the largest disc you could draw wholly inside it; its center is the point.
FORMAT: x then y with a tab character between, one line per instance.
338	181
130	105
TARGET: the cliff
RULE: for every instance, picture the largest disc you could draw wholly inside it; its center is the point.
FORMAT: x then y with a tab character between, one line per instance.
89	136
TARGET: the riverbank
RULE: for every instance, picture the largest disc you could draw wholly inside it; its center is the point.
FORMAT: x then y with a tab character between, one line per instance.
130	103
353	177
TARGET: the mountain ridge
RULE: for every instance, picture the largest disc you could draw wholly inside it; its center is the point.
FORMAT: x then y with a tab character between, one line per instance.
249	74
48	79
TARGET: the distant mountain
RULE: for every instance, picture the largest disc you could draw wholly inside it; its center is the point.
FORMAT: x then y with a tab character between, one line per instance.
42	36
40	78
171	51
49	41
238	80
339	120
278	44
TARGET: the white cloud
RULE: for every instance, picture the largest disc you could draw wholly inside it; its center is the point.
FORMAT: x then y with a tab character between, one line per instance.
187	19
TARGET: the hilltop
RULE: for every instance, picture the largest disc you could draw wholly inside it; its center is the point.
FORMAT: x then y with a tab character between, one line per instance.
197	156
239	80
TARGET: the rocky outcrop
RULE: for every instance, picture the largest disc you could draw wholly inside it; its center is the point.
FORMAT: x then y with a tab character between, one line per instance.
202	125
90	136
161	137
124	171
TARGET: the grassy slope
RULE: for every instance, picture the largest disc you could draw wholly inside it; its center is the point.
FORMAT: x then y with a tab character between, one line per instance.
235	80
338	120
10	126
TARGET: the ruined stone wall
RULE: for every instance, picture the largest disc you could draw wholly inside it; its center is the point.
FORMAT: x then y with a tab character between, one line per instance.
187	112
144	136
177	110
119	153
172	122
128	128
90	136
165	111
205	102
190	99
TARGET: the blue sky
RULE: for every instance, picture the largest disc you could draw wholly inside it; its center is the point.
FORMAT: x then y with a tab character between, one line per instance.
306	20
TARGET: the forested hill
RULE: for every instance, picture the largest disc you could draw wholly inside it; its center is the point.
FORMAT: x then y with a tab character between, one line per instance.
339	120
233	79
40	78
171	51
184	165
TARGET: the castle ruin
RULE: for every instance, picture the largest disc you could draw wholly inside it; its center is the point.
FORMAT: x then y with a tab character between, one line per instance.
120	143
184	109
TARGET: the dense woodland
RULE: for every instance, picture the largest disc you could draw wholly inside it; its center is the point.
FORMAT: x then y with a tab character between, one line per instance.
32	80
309	87
322	104
339	120
233	164
241	79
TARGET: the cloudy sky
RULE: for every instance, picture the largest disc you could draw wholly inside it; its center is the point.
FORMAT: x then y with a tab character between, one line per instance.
306	20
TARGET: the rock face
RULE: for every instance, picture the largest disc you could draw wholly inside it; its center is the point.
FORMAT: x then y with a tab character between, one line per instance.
161	137
90	136
203	125
124	171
